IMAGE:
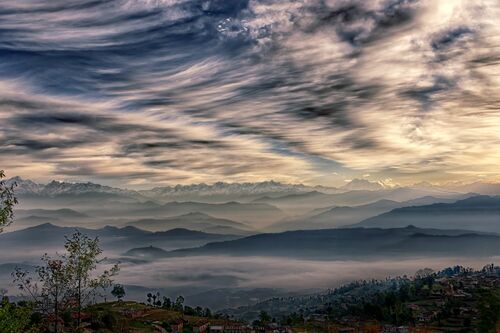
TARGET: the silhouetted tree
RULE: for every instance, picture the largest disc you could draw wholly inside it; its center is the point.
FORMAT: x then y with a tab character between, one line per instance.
179	301
167	303
118	291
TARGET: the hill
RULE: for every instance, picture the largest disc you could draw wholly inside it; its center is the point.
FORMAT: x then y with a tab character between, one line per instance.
336	216
148	253
479	213
42	238
354	243
326	218
193	221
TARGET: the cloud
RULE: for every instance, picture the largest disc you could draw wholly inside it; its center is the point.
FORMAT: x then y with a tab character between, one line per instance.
184	91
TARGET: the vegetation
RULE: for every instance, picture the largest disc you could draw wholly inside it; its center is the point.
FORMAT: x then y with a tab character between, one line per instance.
7	202
64	284
16	318
457	299
118	291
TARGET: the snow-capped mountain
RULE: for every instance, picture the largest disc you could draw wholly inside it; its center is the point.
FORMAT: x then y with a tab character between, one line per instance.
60	188
25	186
362	185
57	188
222	188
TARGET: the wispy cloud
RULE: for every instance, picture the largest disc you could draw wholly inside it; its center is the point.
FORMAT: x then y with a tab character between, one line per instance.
186	91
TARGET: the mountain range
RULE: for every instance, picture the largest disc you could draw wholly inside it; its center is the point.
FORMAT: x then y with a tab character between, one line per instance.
194	221
232	191
351	243
34	241
339	216
26	187
481	213
237	208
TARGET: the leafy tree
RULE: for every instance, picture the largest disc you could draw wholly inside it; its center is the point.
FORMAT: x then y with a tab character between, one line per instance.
82	260
118	291
69	279
154	297
167	303
179	301
50	291
199	311
7	202
424	272
264	318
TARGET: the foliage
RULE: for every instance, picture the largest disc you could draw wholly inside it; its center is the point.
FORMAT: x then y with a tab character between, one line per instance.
68	280
16	318
179	303
490	312
50	291
7	202
118	291
81	262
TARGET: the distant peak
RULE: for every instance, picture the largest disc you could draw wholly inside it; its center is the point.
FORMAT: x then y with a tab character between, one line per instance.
363	184
45	226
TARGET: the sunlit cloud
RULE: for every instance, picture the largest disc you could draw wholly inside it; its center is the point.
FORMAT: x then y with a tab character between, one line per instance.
152	92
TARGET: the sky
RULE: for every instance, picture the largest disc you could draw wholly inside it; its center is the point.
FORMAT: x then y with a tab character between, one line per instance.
148	92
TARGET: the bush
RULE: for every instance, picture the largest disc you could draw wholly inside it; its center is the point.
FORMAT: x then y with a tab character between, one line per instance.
14	318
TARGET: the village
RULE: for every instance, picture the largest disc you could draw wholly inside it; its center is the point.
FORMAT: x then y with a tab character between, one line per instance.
458	303
439	304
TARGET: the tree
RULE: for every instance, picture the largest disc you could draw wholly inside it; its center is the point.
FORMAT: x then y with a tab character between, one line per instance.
167	303
424	272
179	303
7	202
264	318
82	260
155	296
118	291
69	278
50	292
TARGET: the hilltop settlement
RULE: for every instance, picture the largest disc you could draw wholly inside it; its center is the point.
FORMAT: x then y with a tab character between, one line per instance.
456	299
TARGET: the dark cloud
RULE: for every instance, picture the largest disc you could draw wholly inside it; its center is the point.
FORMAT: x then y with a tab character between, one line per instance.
178	89
425	95
449	37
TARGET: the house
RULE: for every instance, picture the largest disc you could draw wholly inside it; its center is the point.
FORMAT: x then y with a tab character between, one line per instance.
347	330
200	326
133	314
216	329
83	316
177	326
237	328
